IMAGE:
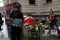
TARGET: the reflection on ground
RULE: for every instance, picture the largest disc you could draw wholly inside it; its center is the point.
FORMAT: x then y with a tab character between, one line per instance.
4	33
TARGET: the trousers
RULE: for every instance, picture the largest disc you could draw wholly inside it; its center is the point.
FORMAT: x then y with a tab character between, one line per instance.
16	33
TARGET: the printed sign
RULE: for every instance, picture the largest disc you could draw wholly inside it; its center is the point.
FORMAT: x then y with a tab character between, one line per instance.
54	32
16	22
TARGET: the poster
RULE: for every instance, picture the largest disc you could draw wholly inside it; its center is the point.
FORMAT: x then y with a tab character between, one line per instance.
54	32
46	33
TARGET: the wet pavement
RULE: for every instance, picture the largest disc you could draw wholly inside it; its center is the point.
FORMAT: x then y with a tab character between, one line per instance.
4	34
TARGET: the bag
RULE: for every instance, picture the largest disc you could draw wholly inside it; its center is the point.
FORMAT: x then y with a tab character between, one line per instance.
16	22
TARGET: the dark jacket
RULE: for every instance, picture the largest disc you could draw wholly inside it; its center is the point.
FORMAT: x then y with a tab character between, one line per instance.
16	15
1	21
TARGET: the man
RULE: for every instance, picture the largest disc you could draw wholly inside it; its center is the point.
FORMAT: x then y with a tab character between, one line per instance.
52	21
1	21
16	31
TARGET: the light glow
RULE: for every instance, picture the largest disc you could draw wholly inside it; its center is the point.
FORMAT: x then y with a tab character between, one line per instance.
59	28
1	3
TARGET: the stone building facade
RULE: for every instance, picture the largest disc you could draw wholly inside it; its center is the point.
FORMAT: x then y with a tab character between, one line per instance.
41	7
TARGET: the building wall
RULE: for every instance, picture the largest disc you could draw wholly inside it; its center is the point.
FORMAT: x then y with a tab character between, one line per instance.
55	5
27	8
40	8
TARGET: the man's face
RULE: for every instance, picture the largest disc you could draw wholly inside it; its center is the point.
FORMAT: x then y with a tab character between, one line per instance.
16	9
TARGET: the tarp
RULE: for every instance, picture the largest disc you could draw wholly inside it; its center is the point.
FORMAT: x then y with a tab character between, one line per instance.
29	20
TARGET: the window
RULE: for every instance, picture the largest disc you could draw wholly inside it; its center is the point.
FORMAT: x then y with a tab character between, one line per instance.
31	1
1	3
47	1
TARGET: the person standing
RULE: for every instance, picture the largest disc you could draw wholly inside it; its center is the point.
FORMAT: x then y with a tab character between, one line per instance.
1	21
16	31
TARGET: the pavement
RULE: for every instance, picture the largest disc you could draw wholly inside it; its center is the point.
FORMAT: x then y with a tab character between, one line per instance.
4	34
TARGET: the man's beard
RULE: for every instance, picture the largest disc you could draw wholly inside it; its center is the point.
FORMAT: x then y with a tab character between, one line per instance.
16	11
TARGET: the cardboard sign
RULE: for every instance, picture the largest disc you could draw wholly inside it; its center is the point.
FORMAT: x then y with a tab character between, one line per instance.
17	22
46	33
54	32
